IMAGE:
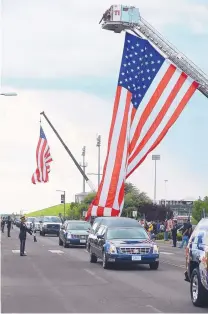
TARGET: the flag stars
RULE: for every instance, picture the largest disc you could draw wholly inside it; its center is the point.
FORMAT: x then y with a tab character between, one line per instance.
140	64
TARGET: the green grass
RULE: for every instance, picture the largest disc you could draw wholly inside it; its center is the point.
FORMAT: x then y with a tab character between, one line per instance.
194	221
50	211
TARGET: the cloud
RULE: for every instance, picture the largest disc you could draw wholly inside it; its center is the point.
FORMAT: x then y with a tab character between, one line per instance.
78	117
56	38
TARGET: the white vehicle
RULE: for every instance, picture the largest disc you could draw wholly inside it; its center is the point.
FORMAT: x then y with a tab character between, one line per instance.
37	224
50	225
29	222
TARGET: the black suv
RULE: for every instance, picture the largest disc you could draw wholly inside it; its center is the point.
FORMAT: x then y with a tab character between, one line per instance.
197	264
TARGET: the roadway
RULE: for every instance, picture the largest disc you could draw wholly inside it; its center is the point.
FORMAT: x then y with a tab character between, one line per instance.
53	279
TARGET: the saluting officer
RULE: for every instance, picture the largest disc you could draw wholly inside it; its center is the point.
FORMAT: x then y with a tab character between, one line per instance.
23	235
9	225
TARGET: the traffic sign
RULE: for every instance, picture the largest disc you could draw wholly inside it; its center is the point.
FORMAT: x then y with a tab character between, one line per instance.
62	198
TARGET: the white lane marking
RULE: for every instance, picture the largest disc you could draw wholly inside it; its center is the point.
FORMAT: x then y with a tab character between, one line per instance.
166	253
56	251
16	251
85	251
95	276
154	309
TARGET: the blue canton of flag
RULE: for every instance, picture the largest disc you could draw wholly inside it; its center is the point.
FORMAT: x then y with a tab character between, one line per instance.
42	134
140	64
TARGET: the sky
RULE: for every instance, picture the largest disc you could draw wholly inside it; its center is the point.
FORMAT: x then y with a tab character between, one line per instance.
58	59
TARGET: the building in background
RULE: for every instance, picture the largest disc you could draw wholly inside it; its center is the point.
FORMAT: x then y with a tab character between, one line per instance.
182	209
81	196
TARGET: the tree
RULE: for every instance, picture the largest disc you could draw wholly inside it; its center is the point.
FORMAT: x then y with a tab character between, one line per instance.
74	211
199	208
133	199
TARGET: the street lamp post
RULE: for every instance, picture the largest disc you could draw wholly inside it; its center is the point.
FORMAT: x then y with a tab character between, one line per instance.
166	181
8	94
63	201
155	158
98	146
83	165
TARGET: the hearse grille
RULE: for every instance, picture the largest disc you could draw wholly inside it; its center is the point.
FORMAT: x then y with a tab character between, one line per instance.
134	250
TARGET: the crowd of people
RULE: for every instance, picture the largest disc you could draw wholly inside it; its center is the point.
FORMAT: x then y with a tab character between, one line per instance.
169	228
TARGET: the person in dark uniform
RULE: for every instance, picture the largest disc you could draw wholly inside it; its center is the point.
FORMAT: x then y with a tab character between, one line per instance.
3	221
174	232
23	235
9	225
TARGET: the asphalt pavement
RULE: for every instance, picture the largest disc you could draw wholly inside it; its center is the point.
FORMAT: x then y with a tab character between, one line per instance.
53	279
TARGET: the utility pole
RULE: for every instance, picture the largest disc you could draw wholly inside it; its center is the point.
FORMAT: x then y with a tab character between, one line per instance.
98	146
166	181
83	165
70	154
155	158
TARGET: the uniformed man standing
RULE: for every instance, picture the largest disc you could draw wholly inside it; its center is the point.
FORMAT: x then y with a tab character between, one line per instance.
3	221
9	225
23	235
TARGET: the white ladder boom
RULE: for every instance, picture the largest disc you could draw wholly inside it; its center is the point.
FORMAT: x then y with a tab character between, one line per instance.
119	18
173	54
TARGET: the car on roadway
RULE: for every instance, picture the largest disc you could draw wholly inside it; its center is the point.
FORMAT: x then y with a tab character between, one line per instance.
50	225
37	223
29	222
109	221
197	264
17	222
119	241
74	232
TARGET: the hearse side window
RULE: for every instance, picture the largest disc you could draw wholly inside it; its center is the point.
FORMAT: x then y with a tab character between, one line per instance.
95	227
101	230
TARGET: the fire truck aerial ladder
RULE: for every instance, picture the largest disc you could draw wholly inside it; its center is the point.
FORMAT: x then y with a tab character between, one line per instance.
119	18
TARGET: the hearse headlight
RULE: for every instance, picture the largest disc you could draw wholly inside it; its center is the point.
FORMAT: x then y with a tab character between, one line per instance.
112	249
155	249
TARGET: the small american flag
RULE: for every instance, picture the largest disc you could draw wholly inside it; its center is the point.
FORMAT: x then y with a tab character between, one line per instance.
43	159
151	94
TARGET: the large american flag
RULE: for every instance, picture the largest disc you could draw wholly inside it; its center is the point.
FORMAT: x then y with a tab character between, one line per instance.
151	94
43	160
